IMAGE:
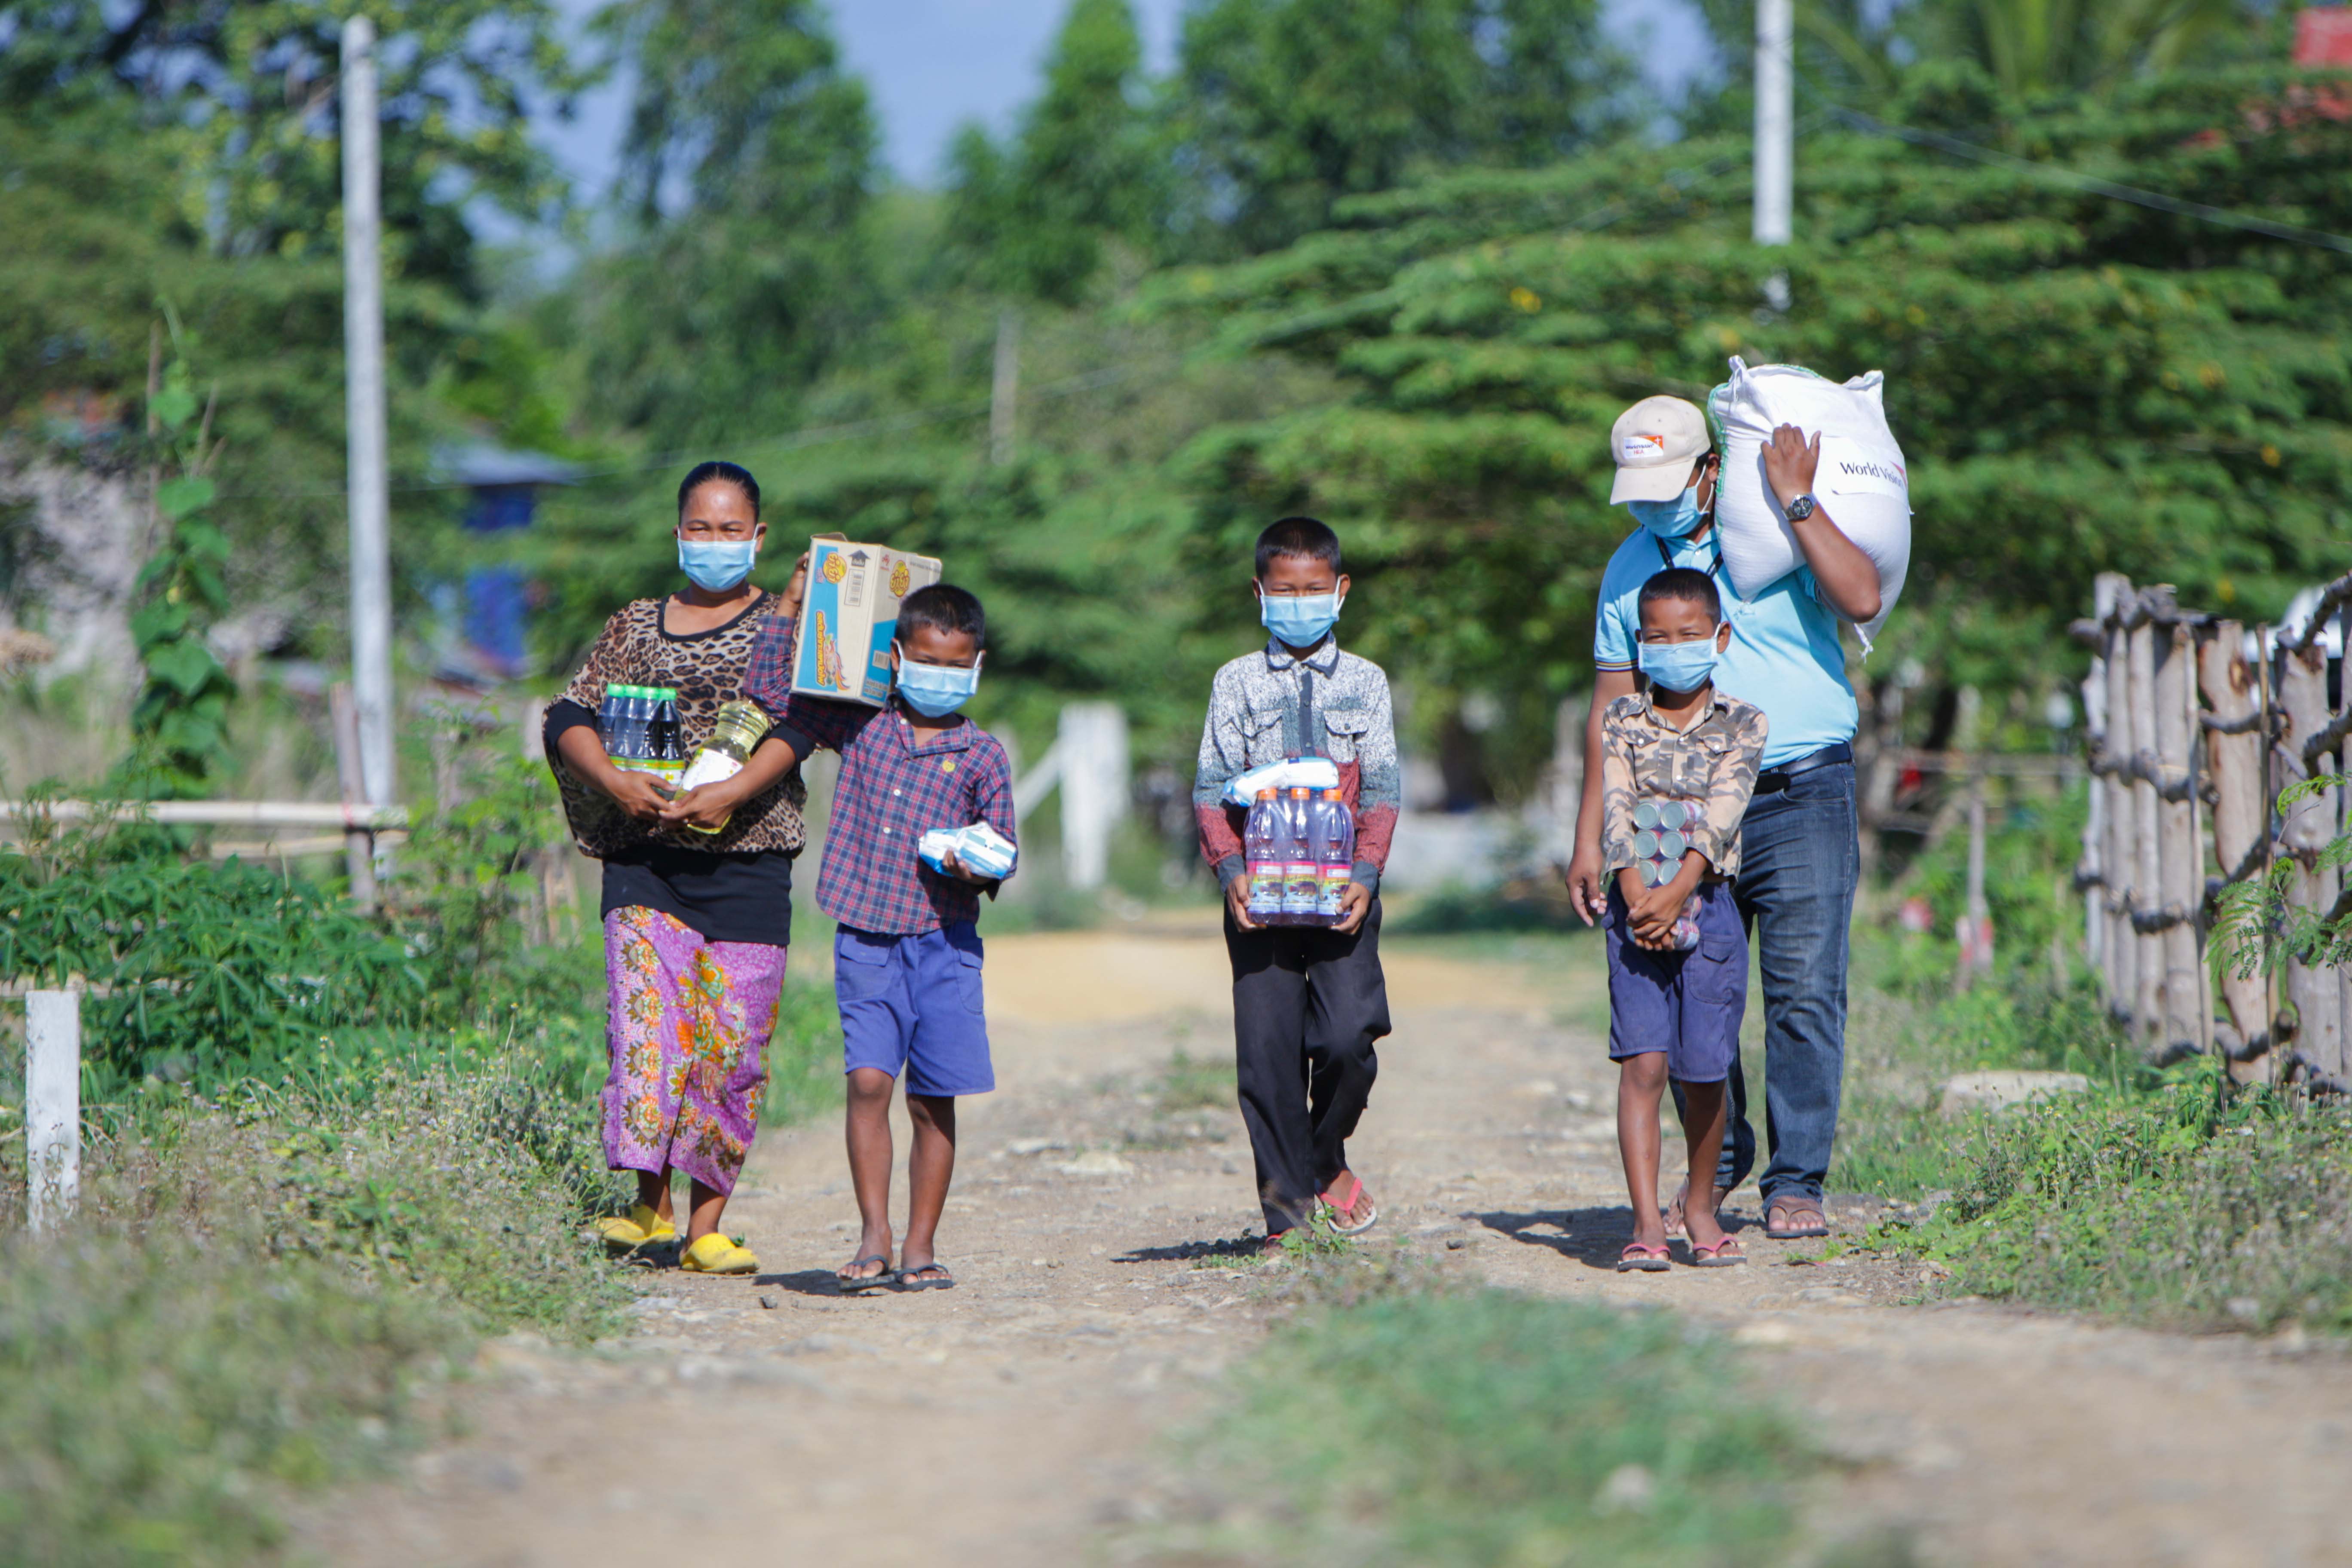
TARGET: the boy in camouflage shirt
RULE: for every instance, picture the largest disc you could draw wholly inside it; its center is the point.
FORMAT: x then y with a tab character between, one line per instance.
1678	763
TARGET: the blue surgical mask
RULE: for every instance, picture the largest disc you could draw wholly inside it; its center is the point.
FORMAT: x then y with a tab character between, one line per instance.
1302	620
1678	666
1673	519
715	566
935	690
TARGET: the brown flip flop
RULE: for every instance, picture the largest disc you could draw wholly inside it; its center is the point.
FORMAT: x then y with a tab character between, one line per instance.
1806	1219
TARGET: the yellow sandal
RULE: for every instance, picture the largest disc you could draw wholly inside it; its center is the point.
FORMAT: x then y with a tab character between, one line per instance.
714	1254
639	1227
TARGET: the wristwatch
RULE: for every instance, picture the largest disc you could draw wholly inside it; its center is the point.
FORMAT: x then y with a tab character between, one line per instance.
1803	507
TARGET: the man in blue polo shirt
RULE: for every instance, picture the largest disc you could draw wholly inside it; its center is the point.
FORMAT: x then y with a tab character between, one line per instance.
1800	856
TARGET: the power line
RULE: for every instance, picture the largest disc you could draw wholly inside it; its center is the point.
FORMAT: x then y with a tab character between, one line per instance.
2156	200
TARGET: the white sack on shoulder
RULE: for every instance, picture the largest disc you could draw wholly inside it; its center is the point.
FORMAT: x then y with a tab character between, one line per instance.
1863	483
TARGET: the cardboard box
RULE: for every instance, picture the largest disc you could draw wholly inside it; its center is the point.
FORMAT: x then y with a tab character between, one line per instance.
841	647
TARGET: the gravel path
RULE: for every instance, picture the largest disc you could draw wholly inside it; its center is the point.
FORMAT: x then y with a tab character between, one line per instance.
1012	1420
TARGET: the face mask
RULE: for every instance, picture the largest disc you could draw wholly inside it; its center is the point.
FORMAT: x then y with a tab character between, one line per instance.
715	566
1669	518
1302	620
935	690
1678	666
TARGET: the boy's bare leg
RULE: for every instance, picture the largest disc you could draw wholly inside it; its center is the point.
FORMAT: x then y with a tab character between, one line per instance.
1641	1084
869	1165
929	1168
1703	1123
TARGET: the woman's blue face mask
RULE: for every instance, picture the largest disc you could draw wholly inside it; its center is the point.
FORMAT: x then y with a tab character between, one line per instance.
935	690
1674	518
1301	620
715	566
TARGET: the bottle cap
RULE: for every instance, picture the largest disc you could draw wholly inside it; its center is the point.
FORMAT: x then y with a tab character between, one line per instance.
1265	795
1335	794
1299	792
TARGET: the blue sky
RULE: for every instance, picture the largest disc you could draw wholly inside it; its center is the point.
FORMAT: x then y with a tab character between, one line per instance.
932	65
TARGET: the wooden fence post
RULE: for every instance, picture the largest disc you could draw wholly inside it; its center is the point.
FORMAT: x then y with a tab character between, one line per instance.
2315	996
2180	859
2120	859
2090	872
52	1107
2148	828
2233	752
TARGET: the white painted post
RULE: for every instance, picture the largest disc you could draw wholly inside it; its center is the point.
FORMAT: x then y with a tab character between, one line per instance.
52	1106
1092	747
1775	135
370	499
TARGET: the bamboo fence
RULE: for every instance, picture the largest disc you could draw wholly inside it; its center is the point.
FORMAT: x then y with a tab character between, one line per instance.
2194	729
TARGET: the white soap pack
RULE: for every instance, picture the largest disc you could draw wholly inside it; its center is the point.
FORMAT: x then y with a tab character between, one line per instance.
1291	772
1863	482
983	851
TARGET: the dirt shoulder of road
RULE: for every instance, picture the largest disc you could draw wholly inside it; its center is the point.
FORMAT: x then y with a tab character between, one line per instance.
1095	1234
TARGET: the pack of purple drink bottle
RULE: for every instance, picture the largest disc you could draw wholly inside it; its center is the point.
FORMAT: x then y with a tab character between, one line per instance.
1659	844
1299	850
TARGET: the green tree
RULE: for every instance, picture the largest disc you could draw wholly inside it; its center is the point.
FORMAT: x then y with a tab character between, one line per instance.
1086	166
2080	383
1284	107
748	164
244	98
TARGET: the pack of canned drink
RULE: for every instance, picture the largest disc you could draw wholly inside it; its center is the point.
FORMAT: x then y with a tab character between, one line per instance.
1660	841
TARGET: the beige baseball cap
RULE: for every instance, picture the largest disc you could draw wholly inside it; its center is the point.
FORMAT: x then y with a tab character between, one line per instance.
1654	443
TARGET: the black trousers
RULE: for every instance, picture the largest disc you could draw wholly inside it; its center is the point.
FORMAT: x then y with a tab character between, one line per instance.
1307	1004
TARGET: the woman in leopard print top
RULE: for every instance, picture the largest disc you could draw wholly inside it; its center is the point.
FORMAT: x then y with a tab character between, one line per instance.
696	927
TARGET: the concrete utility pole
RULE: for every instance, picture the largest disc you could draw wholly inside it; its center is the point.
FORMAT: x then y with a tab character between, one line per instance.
371	500
1775	131
1005	393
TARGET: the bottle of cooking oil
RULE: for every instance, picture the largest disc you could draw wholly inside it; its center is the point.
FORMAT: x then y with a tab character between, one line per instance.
734	733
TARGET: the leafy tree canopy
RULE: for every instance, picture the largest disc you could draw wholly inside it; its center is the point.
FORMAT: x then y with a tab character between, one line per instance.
1088	164
2080	383
1285	106
749	162
245	97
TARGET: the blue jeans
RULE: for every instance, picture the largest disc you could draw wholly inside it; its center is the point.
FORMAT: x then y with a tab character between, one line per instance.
1799	857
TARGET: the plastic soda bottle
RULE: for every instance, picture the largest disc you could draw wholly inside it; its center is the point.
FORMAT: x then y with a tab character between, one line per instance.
1335	853
668	747
1302	876
739	727
1262	865
624	747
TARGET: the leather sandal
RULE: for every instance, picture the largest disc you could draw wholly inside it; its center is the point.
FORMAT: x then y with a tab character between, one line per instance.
1801	1218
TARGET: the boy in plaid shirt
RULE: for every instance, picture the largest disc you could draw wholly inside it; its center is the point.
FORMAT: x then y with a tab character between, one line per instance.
906	963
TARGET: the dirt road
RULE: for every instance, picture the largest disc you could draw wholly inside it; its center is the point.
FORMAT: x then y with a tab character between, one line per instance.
1014	1419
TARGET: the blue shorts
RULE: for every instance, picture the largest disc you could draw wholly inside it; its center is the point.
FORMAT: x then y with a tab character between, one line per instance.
911	1004
1687	1005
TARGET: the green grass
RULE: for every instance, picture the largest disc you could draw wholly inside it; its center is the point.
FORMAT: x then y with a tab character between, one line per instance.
1907	1033
804	1073
254	1291
1413	1424
2203	1206
1194	1083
